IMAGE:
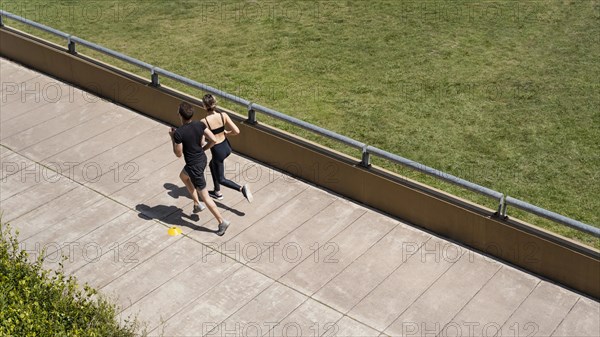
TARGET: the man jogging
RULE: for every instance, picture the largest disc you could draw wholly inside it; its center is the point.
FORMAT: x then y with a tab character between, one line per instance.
187	141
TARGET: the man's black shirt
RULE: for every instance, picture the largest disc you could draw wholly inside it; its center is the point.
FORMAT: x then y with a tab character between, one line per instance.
190	135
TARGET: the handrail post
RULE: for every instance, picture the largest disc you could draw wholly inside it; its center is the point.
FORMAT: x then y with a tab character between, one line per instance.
501	206
154	78
71	45
251	115
1	22
366	157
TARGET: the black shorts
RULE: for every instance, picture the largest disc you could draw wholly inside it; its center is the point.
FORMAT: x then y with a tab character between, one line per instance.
196	174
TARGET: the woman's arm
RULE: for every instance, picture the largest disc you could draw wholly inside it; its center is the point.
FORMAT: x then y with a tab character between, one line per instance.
233	129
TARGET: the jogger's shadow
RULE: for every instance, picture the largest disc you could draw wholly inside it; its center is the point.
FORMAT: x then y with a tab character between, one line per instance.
176	192
171	215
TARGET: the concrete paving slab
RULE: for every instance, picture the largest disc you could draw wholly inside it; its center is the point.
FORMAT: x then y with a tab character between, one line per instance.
123	156
64	236
447	296
13	163
583	320
310	319
31	110
25	178
260	314
395	294
304	240
130	172
150	186
212	308
146	277
100	143
266	200
110	238
34	197
349	287
12	77
80	133
276	225
183	289
494	304
538	317
54	211
332	257
65	121
350	327
134	251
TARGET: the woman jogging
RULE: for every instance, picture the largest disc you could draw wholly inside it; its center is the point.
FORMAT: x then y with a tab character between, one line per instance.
221	126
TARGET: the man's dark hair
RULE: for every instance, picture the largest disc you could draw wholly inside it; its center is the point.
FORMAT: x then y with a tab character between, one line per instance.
186	111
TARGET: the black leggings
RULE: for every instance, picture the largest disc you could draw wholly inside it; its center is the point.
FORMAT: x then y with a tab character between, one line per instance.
217	166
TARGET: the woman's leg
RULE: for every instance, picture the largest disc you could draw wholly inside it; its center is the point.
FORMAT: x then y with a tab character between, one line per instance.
221	153
214	172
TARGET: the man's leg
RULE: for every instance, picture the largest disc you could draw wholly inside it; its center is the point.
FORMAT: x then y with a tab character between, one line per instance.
191	189
212	207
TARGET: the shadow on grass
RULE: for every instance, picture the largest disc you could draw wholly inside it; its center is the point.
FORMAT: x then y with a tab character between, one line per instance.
177	192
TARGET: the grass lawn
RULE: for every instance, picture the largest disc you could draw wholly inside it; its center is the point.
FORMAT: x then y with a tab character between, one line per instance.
504	94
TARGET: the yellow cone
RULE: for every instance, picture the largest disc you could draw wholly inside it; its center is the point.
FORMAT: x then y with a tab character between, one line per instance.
174	231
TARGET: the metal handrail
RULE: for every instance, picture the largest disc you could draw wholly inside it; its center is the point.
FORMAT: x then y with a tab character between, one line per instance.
436	173
551	216
366	150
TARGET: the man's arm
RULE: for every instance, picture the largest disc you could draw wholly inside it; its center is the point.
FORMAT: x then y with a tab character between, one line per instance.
177	148
211	140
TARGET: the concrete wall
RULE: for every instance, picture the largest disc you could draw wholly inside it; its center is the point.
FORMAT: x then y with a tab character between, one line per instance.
546	254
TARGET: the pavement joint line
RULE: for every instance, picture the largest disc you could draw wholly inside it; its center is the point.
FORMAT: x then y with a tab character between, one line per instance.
35	208
240	308
300	225
185	306
142	262
127	238
424	291
123	143
390	274
470	300
71	128
269	213
67	111
131	159
358	257
331	238
170	279
239	266
537	285
20	168
38	207
107	150
566	315
31	111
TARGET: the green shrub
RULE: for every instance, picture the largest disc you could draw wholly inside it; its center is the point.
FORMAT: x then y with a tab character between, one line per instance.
38	302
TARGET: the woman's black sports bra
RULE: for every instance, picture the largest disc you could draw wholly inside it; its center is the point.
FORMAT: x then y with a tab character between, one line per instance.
217	130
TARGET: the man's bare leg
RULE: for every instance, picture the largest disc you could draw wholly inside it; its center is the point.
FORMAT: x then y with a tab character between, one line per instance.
190	187
212	207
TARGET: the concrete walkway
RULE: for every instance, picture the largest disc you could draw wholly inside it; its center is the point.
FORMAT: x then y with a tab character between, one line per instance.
99	184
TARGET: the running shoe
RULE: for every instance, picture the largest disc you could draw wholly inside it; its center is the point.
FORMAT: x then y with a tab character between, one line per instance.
223	227
214	195
247	194
199	208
